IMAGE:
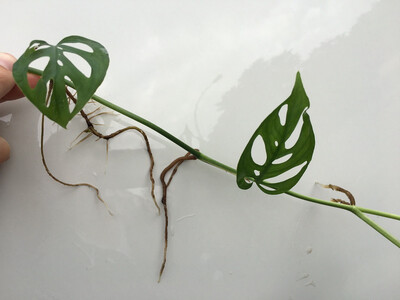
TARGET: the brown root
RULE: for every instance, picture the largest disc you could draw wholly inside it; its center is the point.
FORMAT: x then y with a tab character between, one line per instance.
50	90
92	131
63	182
174	167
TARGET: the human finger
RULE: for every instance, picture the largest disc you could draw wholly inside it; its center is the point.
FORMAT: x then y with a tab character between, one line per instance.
7	61
4	150
6	79
16	93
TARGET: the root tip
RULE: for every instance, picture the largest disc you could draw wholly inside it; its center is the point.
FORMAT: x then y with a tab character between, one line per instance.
322	185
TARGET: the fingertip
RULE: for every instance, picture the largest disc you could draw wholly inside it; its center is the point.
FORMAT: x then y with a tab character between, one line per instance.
4	150
16	93
7	60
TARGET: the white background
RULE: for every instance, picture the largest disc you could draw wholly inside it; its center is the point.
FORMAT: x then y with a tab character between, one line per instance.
208	72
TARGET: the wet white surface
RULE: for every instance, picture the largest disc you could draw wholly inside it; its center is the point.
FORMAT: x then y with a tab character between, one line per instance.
208	73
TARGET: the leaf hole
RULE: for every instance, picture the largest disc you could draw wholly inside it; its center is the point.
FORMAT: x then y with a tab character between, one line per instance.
283	159
258	151
276	143
268	188
294	137
79	63
34	46
257	172
287	175
72	92
80	46
247	180
49	93
282	114
60	63
41	47
38	46
40	63
71	107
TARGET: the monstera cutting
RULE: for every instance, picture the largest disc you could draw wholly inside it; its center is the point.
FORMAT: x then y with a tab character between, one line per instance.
285	137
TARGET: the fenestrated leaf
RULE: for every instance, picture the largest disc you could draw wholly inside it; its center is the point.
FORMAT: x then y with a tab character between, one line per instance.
281	158
57	70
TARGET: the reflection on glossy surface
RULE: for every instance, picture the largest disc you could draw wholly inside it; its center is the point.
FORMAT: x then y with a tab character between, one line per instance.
208	73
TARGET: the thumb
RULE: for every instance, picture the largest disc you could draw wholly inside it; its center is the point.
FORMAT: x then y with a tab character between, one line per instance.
6	84
6	78
4	150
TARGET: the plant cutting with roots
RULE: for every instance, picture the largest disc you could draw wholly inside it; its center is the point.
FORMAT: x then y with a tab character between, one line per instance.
63	91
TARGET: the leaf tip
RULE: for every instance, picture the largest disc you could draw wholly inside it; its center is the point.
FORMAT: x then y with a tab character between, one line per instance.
298	78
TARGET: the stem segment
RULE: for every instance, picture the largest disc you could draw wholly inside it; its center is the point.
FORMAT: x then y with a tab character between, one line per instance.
358	211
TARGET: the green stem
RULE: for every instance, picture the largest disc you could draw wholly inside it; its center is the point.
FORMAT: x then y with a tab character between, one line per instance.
371	223
358	211
344	206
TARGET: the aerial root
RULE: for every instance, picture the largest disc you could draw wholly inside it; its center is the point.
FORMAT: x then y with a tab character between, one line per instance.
63	182
92	130
174	167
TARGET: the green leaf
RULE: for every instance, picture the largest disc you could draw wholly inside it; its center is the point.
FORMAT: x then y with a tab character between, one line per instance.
287	156
58	69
